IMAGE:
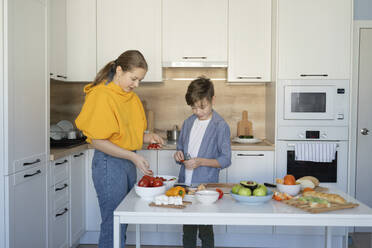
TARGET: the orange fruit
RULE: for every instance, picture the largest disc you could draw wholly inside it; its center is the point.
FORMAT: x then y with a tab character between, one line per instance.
308	189
289	180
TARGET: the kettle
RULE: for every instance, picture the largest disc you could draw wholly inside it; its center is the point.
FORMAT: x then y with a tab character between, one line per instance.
174	134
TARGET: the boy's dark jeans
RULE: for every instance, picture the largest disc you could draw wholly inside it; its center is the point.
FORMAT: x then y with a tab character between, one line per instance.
205	234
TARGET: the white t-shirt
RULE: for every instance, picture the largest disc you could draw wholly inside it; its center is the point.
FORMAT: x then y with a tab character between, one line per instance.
196	136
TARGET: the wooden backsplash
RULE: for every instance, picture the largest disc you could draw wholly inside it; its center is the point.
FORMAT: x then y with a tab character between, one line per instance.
167	99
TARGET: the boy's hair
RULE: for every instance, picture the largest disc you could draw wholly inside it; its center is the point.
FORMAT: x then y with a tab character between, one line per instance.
199	89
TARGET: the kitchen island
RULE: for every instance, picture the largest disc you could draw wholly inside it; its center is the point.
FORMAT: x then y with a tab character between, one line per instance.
134	210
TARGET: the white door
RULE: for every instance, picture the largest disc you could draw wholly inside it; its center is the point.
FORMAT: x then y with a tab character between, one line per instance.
364	138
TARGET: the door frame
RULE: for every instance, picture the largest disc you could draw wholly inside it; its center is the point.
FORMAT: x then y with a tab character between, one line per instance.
358	25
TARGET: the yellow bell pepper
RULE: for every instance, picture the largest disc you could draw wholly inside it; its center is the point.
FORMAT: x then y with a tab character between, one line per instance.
176	191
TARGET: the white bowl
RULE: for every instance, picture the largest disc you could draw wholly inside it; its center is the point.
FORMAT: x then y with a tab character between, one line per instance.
207	196
169	183
148	193
289	189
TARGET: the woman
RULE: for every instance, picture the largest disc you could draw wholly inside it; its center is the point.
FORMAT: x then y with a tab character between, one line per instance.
114	122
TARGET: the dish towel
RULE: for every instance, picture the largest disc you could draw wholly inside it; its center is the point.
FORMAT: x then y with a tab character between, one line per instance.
315	152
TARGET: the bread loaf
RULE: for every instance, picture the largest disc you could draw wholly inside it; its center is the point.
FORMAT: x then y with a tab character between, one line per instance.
306	183
311	178
333	198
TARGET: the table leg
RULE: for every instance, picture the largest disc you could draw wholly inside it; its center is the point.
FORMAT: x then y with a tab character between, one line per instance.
138	236
328	237
117	231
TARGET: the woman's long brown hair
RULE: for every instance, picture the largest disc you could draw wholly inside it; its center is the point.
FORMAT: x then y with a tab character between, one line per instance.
128	60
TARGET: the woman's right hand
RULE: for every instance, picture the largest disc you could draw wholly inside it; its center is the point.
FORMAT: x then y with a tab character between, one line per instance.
142	164
178	156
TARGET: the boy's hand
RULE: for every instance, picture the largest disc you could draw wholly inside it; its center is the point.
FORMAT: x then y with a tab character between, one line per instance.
192	163
178	156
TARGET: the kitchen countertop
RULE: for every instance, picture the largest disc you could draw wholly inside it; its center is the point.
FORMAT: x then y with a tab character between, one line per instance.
57	153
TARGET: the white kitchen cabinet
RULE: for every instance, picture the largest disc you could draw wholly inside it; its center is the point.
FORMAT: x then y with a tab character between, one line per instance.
26	208
314	39
255	166
249	41
57	36
25	85
130	25
195	33
81	40
59	191
59	227
77	197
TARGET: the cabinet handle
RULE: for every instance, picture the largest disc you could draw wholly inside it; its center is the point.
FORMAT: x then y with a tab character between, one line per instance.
51	74
61	76
30	175
30	163
314	75
194	57
64	211
63	187
251	155
78	155
62	162
246	77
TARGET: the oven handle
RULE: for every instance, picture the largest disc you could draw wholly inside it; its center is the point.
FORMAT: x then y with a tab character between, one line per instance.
293	145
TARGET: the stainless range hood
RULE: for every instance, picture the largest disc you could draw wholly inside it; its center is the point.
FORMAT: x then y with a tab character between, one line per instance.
194	61
216	64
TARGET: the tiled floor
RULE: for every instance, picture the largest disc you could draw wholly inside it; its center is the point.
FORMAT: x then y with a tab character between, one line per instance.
360	240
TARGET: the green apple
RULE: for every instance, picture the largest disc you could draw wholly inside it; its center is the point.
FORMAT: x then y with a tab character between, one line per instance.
244	191
260	191
236	188
264	187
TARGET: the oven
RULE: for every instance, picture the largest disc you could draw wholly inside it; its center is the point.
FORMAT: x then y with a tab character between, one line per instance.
313	102
333	173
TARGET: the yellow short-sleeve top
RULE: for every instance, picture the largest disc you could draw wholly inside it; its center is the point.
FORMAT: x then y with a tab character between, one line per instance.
113	114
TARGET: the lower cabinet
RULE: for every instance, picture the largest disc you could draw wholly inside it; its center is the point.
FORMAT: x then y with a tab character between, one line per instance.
59	203
59	223
77	197
26	206
66	200
255	166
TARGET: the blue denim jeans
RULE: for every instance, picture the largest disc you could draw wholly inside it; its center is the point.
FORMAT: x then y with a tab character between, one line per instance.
113	178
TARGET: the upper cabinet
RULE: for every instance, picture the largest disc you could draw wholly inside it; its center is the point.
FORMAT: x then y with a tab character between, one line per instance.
57	37
195	33
130	25
249	41
81	40
314	39
72	39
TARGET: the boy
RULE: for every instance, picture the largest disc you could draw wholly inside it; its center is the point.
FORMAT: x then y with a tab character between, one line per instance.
204	149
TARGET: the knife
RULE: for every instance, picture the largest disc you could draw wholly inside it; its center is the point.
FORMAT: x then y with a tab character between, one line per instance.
270	185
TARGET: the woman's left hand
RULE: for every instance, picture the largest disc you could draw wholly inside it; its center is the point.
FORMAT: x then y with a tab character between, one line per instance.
153	138
192	163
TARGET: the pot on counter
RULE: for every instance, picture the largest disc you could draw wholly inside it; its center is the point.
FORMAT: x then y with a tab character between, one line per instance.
174	134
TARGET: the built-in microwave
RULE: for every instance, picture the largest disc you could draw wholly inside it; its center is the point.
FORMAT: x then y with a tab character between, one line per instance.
313	102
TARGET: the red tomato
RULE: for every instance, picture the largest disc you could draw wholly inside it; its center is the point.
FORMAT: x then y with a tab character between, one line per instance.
220	192
157	183
144	182
152	179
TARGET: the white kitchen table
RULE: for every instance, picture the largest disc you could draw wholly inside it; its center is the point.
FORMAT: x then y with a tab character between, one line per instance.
134	210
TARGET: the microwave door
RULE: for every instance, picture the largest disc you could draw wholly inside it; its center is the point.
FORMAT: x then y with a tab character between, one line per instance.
308	103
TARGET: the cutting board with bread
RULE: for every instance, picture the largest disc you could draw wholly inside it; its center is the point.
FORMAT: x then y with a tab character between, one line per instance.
319	202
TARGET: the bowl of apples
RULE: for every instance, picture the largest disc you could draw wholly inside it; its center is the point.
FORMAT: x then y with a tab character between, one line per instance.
251	193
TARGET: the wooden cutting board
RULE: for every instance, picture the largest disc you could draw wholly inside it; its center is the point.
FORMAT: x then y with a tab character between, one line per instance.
244	126
184	204
305	206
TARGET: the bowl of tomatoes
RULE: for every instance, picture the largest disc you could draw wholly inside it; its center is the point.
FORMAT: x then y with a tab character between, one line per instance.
149	187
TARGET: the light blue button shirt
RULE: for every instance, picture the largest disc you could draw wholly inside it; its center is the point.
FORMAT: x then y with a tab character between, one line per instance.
215	145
